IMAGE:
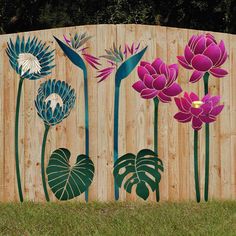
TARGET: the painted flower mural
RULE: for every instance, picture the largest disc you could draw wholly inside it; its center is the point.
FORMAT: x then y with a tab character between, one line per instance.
157	81
74	49
123	61
202	54
205	56
192	109
54	102
32	60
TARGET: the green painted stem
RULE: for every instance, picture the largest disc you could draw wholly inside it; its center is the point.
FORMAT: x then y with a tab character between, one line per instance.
86	118
16	139
196	177
116	131
207	144
156	103
47	127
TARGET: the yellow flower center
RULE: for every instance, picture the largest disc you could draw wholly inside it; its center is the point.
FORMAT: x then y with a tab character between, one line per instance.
29	63
55	99
197	104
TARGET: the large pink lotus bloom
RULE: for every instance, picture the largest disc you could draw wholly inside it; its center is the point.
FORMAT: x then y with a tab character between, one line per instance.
197	111
203	54
157	80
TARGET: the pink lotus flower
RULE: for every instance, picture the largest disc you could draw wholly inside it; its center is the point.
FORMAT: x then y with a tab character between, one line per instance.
157	80
197	111
203	54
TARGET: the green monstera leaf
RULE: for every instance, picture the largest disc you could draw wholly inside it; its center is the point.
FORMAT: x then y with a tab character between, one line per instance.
141	170
65	181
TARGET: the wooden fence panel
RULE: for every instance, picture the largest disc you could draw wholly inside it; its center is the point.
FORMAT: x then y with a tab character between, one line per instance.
136	119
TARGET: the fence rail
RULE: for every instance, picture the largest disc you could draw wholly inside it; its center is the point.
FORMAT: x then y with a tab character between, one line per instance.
136	119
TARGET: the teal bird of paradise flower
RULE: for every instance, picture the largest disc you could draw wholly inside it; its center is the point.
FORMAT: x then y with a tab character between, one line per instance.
123	62
54	102
78	55
32	60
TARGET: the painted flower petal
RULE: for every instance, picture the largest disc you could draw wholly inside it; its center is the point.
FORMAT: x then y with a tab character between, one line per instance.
207	107
200	46
196	123
217	110
188	54
218	72
196	75
173	90
156	64
142	71
144	63
182	61
215	100
175	68
191	40
188	99
148	80
150	69
207	119
222	59
179	104
183	117
163	97
186	105
194	97
159	82
206	98
149	93
196	111
139	86
164	70
213	52
201	63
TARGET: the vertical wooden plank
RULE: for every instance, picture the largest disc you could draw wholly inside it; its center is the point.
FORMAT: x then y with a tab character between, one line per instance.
225	129
161	52
93	108
193	87
215	145
121	40
105	120
2	156
183	129
173	162
232	72
29	156
10	86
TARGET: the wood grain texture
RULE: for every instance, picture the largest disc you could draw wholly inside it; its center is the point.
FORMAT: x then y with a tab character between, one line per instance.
135	119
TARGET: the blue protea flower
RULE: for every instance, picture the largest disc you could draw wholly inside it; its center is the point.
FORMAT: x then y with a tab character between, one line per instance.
30	58
54	101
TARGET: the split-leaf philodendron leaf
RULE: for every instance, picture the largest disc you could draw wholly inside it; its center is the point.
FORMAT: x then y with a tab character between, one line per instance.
71	54
141	170
65	181
127	66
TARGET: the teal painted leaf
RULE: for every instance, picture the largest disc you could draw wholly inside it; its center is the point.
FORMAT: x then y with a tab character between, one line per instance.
74	57
65	181
141	170
127	66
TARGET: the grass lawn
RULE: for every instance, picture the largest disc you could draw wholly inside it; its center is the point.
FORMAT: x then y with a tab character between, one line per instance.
213	218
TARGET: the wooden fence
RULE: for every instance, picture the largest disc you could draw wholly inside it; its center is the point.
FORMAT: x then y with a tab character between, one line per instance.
136	119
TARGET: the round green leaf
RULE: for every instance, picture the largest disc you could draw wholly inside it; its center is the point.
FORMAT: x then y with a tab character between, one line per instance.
65	181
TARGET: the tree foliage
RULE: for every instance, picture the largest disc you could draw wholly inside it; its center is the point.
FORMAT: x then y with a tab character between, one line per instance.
25	15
